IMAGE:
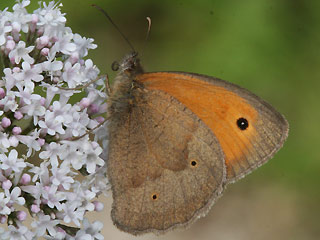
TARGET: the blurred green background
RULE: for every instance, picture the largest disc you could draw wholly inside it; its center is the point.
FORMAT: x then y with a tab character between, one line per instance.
271	47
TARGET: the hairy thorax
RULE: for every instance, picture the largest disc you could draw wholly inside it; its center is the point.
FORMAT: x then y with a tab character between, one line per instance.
124	84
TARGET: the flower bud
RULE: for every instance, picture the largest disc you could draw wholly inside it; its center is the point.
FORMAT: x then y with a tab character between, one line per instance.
98	206
2	93
25	179
21	216
35	208
7	184
18	115
16	130
6	122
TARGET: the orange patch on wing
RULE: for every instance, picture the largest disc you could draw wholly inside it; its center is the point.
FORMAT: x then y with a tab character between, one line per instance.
216	106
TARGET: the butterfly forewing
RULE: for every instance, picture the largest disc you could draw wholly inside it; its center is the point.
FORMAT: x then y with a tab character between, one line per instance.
249	130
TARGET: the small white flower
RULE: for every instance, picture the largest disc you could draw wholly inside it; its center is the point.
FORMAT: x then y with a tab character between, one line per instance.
52	65
73	155
34	107
53	151
65	45
9	102
92	156
31	141
20	16
60	177
79	124
3	31
51	18
4	142
53	197
17	233
4	209
26	97
12	162
10	79
65	111
93	229
29	73
73	75
91	71
35	191
52	124
72	213
45	223
83	44
14	196
21	52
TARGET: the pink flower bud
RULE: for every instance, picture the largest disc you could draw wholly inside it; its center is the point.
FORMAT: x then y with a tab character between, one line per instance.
95	145
40	32
12	60
85	102
34	18
3	219
2	93
74	58
6	122
25	179
10	45
45	51
53	216
42	42
41	141
98	206
18	115
16	130
16	69
99	119
94	108
7	184
21	216
34	208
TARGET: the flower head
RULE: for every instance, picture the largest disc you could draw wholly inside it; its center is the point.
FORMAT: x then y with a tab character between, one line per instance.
42	61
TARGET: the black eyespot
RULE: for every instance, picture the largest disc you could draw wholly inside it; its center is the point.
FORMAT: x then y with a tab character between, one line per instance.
193	163
242	123
115	66
154	196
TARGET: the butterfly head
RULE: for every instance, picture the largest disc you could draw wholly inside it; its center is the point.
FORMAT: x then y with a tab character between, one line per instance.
129	65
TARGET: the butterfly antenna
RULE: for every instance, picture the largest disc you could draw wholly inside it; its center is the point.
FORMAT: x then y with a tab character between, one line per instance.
149	27
148	31
116	27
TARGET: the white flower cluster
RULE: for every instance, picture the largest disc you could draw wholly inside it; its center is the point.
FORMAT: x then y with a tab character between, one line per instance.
44	143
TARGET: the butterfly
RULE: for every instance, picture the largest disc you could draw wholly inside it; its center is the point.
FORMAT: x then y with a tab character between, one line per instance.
177	139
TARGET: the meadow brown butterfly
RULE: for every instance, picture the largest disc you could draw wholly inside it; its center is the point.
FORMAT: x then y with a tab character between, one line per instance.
176	140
